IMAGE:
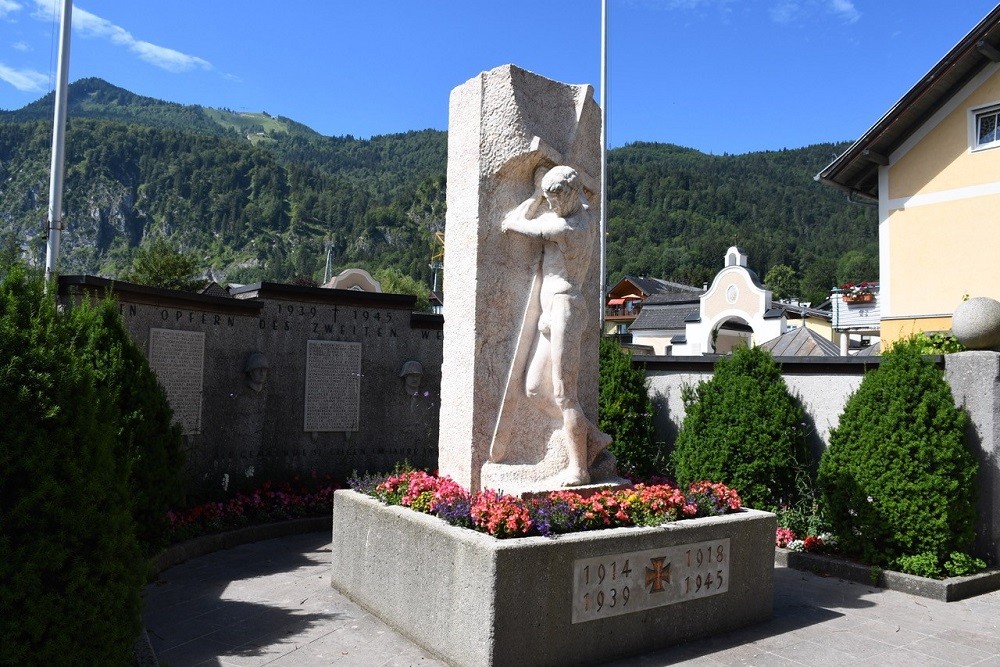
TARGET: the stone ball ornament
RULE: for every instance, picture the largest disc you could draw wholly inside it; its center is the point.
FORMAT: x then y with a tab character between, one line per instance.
976	323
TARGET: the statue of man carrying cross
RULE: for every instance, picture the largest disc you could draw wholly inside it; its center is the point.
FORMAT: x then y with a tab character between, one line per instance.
558	214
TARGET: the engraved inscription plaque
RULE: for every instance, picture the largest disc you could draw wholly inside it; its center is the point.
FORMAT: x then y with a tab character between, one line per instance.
178	359
333	385
628	582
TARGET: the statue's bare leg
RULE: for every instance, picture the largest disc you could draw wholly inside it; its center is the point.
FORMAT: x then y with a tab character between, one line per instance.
565	359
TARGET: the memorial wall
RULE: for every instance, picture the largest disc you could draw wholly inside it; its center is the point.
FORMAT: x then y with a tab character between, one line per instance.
271	380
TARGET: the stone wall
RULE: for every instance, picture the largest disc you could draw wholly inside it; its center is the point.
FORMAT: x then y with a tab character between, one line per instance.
331	400
822	385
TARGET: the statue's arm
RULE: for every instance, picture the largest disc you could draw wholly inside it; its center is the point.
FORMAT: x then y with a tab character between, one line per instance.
520	219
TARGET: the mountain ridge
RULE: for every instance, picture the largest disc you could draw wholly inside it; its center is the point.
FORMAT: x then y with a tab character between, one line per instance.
261	197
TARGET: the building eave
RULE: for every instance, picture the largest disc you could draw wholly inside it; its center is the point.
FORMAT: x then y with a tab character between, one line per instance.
856	169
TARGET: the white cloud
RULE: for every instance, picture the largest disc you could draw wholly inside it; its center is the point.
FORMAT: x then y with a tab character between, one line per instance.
20	46
26	80
94	26
788	11
846	10
784	12
8	7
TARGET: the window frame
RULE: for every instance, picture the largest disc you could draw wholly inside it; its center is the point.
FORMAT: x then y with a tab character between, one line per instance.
975	115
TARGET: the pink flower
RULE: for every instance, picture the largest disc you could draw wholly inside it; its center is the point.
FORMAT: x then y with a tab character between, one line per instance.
782	537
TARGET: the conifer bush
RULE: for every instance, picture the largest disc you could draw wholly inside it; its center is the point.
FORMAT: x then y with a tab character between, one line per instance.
743	428
148	441
898	480
626	413
71	570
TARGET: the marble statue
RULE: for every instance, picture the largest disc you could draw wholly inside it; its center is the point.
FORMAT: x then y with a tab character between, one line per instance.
558	215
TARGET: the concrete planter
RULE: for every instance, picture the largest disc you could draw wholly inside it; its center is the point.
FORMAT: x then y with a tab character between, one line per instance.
575	599
945	590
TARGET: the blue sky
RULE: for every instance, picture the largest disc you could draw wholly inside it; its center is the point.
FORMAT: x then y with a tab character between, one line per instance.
722	76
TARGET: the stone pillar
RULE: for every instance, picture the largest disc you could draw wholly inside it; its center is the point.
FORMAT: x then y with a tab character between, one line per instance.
975	383
504	125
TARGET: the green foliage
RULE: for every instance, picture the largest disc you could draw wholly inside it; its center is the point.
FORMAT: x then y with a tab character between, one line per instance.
922	565
148	441
255	207
937	343
804	514
626	413
744	429
782	281
673	211
71	570
158	263
394	282
897	478
856	266
961	564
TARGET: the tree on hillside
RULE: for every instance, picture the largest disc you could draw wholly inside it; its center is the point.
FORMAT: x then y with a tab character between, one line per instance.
857	266
783	282
395	281
157	263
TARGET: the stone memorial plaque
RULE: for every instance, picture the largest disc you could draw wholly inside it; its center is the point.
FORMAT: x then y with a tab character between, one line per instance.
333	384
178	359
627	582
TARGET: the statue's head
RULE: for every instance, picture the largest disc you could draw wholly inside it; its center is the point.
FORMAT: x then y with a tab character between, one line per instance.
561	186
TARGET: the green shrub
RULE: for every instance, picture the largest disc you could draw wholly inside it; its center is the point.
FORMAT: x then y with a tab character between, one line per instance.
71	570
626	413
921	565
897	478
961	564
148	441
743	428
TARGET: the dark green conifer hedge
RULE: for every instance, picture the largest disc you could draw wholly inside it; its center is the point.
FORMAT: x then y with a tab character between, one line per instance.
86	449
148	441
71	570
743	428
626	413
898	479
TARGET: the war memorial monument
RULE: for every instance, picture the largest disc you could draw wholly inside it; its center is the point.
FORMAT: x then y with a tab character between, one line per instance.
519	414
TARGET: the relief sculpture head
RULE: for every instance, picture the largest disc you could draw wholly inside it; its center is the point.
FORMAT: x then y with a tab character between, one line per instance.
256	371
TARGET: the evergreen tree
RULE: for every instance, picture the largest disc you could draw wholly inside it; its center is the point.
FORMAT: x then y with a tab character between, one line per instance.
626	413
743	428
71	570
898	479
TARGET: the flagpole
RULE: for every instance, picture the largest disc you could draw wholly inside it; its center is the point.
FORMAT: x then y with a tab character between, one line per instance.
58	144
604	157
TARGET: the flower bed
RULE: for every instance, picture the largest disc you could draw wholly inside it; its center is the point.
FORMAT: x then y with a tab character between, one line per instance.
505	516
268	503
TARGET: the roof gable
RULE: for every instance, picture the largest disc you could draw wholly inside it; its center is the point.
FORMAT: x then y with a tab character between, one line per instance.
856	170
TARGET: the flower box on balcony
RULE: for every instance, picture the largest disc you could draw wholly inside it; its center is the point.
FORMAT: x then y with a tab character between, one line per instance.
866	297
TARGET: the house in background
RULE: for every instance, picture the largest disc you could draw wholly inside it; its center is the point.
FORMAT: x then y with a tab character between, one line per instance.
856	316
630	294
932	163
736	310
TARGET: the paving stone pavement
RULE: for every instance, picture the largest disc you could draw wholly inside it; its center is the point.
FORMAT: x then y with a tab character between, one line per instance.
270	603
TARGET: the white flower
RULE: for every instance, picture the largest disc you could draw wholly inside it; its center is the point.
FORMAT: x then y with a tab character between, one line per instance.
796	545
225	482
249	472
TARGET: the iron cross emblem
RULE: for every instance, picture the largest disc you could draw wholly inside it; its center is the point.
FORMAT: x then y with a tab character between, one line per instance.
658	574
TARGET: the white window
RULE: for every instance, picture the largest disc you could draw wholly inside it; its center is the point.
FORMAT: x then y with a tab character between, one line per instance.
987	130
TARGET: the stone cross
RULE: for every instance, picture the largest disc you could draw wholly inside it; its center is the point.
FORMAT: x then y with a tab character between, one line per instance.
519	379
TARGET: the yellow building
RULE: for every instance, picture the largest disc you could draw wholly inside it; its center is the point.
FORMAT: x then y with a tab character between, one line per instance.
932	163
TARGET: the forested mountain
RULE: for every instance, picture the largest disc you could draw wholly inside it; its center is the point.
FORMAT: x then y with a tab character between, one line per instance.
257	197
